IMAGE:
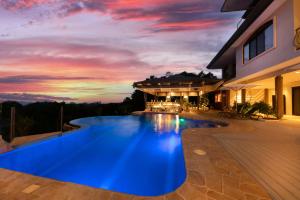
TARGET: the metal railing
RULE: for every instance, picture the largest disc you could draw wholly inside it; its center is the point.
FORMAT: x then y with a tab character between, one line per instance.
8	123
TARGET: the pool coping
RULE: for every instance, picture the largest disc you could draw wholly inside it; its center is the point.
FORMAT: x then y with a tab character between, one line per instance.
213	175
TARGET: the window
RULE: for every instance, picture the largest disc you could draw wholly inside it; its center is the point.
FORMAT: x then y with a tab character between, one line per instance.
261	41
246	52
269	35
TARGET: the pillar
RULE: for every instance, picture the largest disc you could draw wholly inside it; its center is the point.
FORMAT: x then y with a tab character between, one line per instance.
243	95
266	95
227	92
181	99
145	99
61	118
12	123
225	99
156	96
279	108
198	101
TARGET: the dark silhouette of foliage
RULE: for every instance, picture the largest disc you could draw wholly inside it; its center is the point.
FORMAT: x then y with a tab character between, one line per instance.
42	117
202	74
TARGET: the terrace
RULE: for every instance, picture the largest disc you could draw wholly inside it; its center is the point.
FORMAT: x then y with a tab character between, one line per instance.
191	154
222	163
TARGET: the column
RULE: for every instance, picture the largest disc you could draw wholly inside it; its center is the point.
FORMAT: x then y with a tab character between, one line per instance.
181	99
244	95
156	96
266	95
198	100
279	108
12	124
145	99
227	92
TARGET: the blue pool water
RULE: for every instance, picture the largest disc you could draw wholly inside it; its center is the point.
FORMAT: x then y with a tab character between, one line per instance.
139	155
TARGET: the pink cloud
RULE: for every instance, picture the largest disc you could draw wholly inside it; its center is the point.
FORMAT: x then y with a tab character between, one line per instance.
164	13
84	61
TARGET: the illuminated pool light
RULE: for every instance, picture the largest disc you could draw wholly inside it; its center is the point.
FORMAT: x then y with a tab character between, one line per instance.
199	152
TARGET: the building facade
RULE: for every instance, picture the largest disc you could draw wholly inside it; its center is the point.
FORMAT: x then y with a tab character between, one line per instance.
261	61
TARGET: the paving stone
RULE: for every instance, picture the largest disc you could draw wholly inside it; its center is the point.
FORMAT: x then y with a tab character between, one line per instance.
214	181
254	189
149	198
230	181
119	196
250	197
188	191
174	196
217	196
196	178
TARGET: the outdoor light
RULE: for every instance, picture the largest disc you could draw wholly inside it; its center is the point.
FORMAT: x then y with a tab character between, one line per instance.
200	152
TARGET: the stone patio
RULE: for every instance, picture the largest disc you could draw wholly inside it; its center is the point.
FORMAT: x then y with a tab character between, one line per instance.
212	174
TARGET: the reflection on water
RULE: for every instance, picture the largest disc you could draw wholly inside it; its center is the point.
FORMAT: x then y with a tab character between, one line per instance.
165	123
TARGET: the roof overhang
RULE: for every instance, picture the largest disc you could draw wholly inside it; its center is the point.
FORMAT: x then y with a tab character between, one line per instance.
204	88
272	71
226	55
237	5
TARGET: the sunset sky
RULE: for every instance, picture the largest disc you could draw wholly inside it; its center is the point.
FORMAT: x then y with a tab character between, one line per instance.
93	50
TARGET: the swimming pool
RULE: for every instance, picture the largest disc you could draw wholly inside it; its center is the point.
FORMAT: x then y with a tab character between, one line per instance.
139	155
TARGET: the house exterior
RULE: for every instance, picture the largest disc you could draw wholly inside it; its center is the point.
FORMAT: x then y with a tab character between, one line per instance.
261	61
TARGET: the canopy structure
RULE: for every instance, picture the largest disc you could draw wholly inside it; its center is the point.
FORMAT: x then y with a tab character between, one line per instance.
237	87
178	85
176	92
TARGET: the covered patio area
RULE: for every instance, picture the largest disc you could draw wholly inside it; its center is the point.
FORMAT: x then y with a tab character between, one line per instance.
280	89
177	93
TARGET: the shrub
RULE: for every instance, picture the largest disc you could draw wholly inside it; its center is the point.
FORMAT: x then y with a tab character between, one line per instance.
246	109
262	107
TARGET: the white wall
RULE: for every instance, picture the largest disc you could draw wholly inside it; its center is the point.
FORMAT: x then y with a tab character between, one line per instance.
284	49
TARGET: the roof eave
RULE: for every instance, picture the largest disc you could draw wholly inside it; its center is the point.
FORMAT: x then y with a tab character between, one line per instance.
236	5
257	11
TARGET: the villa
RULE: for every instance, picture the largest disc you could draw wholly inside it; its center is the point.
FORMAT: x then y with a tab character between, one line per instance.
171	154
261	61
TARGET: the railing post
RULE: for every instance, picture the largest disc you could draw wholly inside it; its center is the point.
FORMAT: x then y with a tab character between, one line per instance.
12	123
145	100
61	119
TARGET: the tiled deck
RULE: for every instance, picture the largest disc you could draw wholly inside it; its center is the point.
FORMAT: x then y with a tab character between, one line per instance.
269	150
214	175
272	155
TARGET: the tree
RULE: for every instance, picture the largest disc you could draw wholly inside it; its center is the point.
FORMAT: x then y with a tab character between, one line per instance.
138	101
152	77
168	74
